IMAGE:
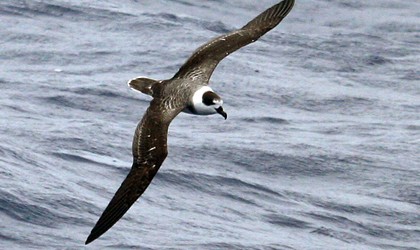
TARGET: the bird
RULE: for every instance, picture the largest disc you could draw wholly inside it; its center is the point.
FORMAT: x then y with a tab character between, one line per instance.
187	91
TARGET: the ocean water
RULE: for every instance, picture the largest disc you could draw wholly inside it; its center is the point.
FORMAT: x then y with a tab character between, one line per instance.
320	149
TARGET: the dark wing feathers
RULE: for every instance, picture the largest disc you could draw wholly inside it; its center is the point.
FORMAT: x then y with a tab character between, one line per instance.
130	190
150	139
205	59
149	152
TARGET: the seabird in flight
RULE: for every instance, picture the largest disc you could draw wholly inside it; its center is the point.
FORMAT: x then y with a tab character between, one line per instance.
186	91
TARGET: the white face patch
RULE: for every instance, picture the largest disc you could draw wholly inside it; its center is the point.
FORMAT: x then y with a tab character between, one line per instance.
198	95
199	107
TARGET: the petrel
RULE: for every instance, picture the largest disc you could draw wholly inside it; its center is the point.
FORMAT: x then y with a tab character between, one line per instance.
187	91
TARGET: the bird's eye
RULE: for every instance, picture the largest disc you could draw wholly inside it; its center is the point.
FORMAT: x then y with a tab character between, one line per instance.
209	98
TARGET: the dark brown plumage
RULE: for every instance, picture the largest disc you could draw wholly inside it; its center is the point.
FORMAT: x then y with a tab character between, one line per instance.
205	59
170	97
149	152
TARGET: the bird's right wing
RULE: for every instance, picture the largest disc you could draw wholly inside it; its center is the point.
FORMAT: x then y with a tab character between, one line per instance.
149	152
205	59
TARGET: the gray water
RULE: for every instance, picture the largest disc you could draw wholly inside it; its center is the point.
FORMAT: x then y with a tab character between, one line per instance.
320	150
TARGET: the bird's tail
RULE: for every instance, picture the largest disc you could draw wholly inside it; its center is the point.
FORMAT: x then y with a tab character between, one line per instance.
142	84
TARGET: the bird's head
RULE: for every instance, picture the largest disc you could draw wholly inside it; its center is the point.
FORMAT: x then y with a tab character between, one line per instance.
206	102
214	102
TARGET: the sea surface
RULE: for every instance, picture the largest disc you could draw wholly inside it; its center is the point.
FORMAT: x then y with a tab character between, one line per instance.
321	149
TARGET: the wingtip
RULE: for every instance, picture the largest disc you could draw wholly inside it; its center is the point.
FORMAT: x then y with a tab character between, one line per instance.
92	236
89	239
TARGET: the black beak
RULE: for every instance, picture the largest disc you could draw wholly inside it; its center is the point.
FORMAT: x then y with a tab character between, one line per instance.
220	111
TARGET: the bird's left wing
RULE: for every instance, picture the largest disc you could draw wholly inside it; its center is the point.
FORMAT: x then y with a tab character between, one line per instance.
204	60
149	152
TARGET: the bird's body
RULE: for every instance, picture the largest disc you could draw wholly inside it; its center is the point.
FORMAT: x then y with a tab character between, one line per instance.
187	91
